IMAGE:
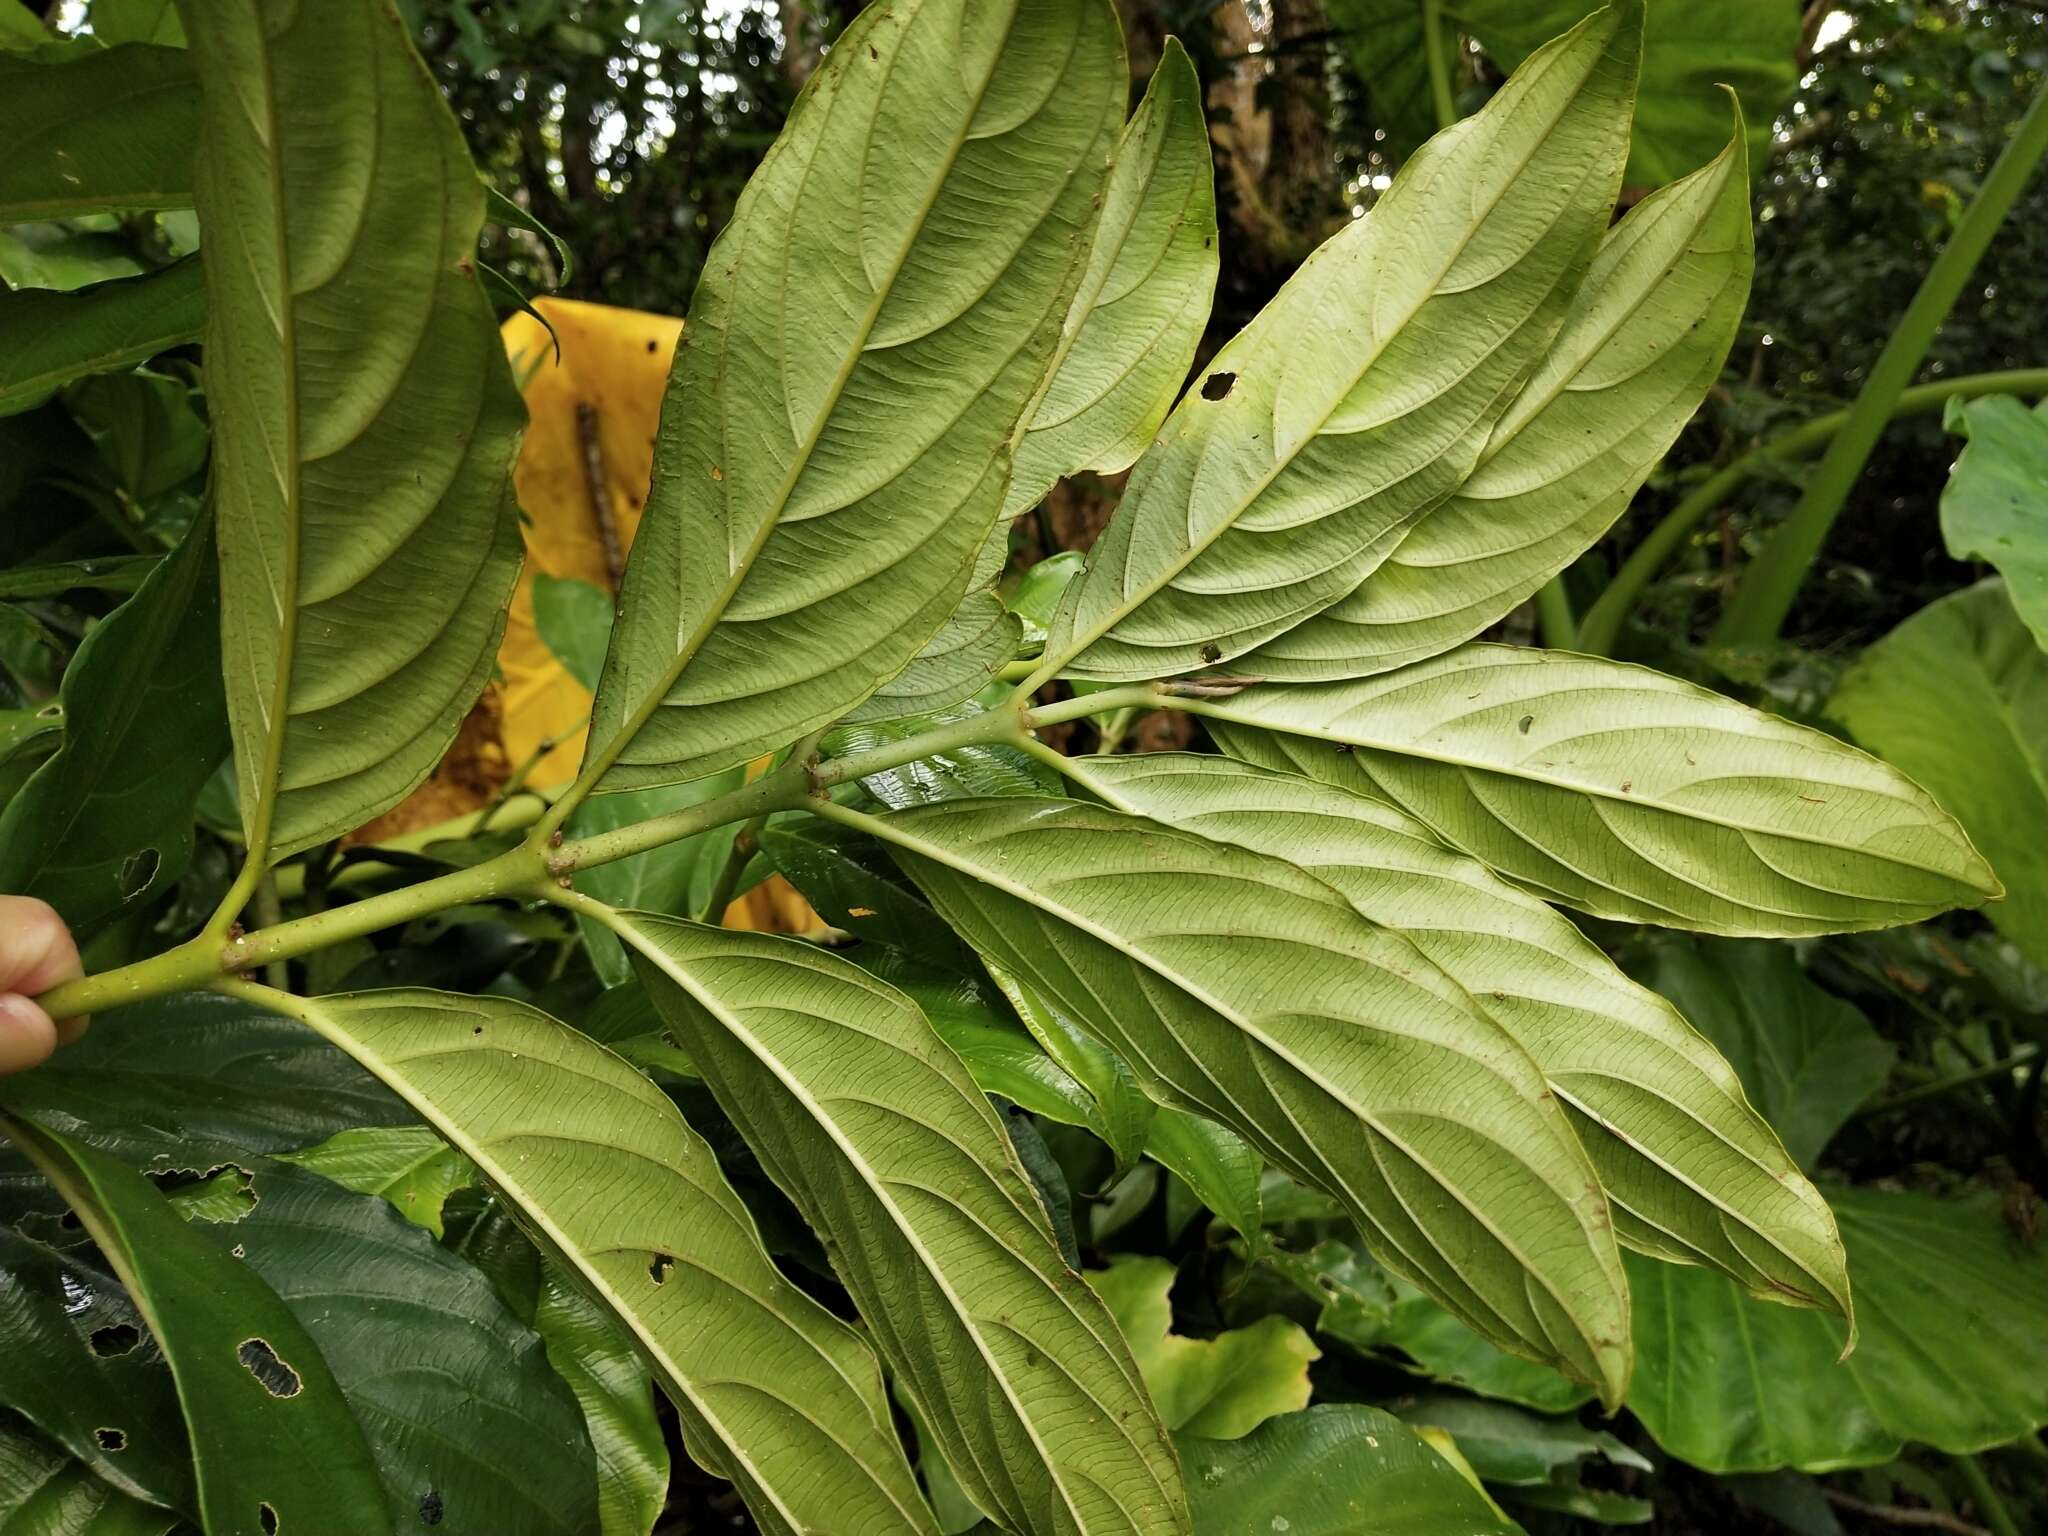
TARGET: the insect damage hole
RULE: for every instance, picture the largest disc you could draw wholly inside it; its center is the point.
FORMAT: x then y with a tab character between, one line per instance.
431	1508
111	1439
267	1518
1217	385
657	1271
271	1373
114	1340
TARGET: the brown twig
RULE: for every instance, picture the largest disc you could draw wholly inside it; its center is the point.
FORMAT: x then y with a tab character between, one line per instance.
1891	1514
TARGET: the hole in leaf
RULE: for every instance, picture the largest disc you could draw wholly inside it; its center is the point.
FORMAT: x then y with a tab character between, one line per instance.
137	870
431	1508
69	1221
111	1439
1524	723
114	1340
658	1270
272	1374
1217	385
1212	653
267	1518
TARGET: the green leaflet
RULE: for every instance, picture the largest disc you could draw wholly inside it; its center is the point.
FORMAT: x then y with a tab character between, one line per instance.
53	338
773	1391
1332	1045
1622	792
99	132
1957	697
43	1492
893	1155
1361	396
106	823
1952	1352
364	417
867	333
1693	1173
1645	338
1995	506
407	1165
273	1440
1131	333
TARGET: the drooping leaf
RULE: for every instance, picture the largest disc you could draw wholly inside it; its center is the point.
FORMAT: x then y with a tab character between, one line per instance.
1131	332
408	1165
1221	1388
81	1365
1510	1445
1215	1162
100	131
848	878
1623	792
1691	1170
274	1444
1957	698
44	1492
1334	1046
106	823
1806	1057
464	1417
364	419
596	1358
1321	1471
1361	396
1951	1351
774	1392
859	1112
867	333
53	338
1123	1113
1645	337
1995	506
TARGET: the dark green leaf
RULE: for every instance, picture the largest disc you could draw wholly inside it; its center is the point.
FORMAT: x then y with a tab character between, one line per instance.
1215	1162
100	131
1505	1444
44	1492
53	338
848	879
616	1393
106	573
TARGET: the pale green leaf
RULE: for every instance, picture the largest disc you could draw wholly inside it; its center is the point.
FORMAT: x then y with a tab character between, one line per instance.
869	330
1995	506
1131	333
1952	1353
407	1164
53	338
1957	697
364	417
100	131
774	1392
1806	1057
1332	1045
1693	1173
1645	338
1623	792
964	656
1361	396
1220	1388
893	1155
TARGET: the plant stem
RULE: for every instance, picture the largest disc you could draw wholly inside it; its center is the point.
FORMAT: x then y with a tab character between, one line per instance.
1990	1507
1910	1096
744	844
1772	583
1601	626
1554	615
1439	66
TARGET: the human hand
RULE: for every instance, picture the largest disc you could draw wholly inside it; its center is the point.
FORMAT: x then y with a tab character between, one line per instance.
36	952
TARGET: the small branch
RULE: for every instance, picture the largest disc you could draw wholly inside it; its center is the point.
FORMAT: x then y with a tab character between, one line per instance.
746	842
600	492
516	780
1911	1096
268	911
1891	1514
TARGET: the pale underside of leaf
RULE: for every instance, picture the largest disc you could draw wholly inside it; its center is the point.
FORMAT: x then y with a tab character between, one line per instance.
773	1391
364	419
1267	1003
1132	330
868	332
879	1134
1644	340
1361	396
976	643
1623	792
1693	1173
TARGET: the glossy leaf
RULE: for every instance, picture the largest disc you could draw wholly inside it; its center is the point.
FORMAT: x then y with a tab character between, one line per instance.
408	1165
1215	1162
53	338
463	1415
773	1391
1995	507
575	622
1806	1057
1333	1046
866	335
1361	396
1320	1471
1693	1173
274	1444
876	1131
963	773
1623	792
596	1358
101	131
364	419
1132	330
1513	1446
1957	697
43	1492
1220	1388
1951	1355
1123	1114
105	824
848	879
1645	337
